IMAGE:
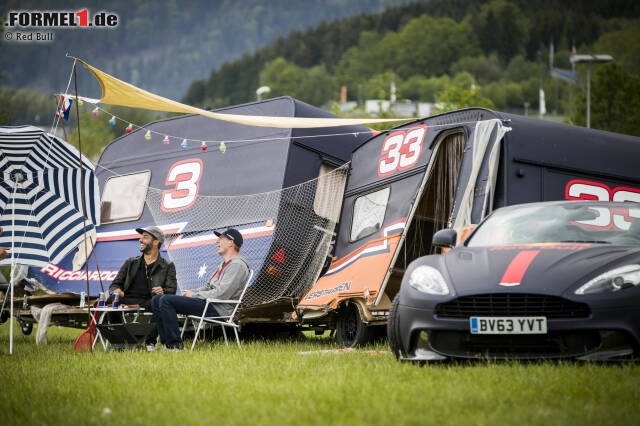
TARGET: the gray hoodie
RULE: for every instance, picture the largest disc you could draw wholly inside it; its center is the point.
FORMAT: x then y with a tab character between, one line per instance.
227	285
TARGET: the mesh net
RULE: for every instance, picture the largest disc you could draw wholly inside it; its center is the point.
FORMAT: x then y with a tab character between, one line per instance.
287	235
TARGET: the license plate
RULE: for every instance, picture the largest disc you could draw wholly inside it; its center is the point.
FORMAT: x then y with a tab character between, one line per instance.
508	325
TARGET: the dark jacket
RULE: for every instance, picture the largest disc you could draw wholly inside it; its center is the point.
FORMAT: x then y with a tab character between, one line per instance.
163	274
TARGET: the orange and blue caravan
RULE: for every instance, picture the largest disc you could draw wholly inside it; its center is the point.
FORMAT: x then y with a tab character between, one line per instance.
450	171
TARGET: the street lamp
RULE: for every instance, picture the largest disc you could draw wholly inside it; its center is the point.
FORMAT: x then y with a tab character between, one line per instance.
262	90
575	59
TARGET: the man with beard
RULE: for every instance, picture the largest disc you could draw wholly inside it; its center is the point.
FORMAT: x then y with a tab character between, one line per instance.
143	276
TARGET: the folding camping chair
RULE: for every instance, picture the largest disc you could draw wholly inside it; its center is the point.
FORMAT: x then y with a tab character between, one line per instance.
223	321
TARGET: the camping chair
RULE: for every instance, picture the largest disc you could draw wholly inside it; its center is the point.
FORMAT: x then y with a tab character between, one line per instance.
223	321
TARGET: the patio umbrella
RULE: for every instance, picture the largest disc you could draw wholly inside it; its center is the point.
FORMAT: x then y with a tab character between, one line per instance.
41	198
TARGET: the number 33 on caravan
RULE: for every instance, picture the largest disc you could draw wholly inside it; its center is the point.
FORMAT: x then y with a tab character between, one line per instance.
184	176
615	218
401	150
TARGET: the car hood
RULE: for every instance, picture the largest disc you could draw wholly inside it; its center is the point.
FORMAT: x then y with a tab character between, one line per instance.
532	268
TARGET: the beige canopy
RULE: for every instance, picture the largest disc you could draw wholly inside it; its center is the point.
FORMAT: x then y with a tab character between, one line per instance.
117	92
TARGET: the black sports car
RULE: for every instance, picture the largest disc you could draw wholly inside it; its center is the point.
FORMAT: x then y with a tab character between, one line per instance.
543	280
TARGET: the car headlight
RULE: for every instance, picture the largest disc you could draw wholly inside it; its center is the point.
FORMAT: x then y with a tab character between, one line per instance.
613	280
428	280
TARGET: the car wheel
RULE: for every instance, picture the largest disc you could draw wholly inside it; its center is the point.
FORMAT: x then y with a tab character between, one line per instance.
351	331
393	332
27	328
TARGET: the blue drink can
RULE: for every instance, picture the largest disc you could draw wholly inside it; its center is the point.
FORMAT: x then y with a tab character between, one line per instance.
116	301
101	301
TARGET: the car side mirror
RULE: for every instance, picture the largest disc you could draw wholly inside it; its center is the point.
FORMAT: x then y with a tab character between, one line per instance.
445	238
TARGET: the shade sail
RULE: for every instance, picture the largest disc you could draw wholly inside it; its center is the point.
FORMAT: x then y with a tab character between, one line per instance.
118	92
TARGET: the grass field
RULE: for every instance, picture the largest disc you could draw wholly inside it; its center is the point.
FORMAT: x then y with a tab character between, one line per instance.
270	383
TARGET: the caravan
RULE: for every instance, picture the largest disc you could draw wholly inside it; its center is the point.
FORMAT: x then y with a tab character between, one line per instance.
192	188
337	215
451	170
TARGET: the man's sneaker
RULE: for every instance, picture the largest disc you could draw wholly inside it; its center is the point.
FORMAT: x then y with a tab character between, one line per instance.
177	348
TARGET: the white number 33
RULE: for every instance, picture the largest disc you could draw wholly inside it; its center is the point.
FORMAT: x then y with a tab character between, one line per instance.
401	150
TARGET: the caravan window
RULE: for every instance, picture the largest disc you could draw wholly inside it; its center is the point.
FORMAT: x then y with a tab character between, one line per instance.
368	213
123	197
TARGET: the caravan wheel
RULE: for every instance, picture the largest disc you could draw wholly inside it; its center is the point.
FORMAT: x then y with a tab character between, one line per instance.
351	331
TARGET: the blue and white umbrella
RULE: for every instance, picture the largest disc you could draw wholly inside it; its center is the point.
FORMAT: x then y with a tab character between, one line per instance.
41	203
40	175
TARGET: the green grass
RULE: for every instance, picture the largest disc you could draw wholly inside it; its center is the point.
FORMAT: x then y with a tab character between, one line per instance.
269	383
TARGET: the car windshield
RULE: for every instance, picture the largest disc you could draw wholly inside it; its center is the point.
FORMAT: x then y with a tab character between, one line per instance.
573	222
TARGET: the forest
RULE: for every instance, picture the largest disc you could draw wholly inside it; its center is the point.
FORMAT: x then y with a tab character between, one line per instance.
496	54
455	53
162	46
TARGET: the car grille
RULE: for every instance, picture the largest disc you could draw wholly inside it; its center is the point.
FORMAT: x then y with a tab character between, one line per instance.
558	344
506	304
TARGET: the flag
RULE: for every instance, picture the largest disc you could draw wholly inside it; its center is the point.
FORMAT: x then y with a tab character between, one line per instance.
543	106
66	106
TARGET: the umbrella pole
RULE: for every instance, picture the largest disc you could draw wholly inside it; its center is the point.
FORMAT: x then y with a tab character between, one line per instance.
84	213
13	264
62	120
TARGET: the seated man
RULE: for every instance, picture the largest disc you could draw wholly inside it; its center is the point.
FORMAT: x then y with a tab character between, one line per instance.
143	276
227	282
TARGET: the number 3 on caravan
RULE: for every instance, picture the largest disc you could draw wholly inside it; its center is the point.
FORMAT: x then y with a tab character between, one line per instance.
401	150
184	176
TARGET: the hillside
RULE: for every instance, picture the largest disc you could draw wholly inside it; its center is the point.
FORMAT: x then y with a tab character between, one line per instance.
162	46
499	49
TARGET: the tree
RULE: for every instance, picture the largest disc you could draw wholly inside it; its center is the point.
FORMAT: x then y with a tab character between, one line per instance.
380	85
463	80
95	135
429	46
615	101
281	76
455	98
520	69
502	28
423	89
619	45
360	62
484	69
317	86
313	85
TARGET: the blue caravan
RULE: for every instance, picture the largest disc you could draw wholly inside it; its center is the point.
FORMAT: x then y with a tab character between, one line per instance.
191	187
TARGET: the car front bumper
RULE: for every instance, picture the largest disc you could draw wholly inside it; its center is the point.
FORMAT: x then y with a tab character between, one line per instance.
606	335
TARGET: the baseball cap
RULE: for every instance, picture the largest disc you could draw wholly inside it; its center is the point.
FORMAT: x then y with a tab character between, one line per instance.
154	231
232	234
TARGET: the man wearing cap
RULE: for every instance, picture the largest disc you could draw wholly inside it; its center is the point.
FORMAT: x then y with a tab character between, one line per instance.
143	276
227	283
